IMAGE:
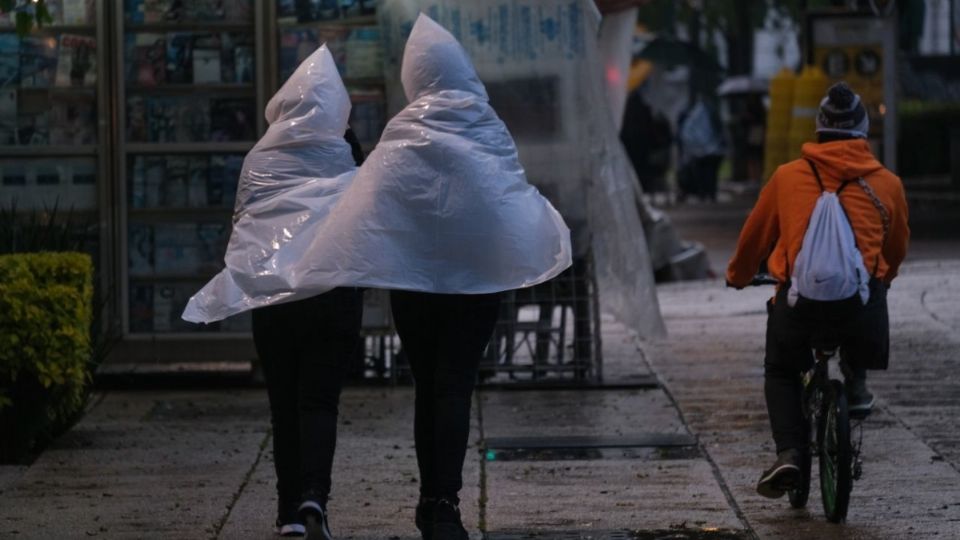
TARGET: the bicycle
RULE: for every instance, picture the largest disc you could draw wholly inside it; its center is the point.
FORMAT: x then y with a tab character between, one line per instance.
825	409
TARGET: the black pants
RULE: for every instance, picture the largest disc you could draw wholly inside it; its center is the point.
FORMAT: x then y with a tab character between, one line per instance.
444	336
699	177
304	347
861	331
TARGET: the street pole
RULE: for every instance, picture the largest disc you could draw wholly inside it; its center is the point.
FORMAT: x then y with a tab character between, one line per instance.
890	123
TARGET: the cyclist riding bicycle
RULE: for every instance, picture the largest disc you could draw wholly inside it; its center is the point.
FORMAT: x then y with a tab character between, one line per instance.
840	162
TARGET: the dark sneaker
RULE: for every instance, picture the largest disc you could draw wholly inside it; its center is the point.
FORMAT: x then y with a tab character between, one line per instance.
859	399
288	523
783	476
314	518
446	521
424	517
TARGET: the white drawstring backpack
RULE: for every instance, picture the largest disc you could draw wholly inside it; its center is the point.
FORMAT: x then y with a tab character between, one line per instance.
829	266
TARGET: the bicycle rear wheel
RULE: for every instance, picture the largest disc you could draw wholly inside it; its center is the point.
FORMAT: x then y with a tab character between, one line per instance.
836	456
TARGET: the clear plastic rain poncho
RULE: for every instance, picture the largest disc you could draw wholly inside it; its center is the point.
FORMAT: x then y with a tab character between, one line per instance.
442	204
288	183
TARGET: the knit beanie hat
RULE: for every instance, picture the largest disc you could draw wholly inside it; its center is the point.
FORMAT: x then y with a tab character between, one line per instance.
842	113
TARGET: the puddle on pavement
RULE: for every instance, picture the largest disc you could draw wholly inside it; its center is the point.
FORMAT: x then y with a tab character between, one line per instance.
662	534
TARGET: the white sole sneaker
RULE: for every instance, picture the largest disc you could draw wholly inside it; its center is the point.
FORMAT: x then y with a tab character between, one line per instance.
292	530
778	481
315	520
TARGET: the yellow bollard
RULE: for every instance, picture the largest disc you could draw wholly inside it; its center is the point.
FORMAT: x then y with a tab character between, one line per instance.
809	89
777	134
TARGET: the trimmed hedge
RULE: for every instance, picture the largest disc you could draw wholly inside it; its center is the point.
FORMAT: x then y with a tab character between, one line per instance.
46	308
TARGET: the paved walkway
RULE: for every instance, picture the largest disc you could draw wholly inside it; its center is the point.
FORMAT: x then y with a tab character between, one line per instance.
197	463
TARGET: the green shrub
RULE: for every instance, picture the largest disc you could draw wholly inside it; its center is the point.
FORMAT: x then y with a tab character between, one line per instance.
45	315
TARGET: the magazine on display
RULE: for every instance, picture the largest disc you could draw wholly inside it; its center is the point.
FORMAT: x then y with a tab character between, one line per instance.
193	120
213	238
73	122
295	46
155	170
173	193
162	119
363	54
206	65
8	116
77	61
243	64
155	11
9	59
169	300
205	10
141	308
136	119
197	177
146	59
38	61
33	128
77	12
179	57
224	175
368	115
177	248
238	10
232	120
140	249
137	184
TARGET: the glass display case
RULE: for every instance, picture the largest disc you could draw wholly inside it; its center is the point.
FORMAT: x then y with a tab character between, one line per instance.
189	92
54	123
52	100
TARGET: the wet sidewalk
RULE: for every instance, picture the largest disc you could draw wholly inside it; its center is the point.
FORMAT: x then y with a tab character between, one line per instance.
671	447
628	461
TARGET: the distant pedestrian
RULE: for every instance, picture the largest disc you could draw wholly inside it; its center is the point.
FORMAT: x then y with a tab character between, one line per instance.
702	146
646	136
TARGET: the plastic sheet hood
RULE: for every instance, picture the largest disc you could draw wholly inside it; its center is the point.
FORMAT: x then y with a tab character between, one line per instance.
308	117
433	60
289	182
442	204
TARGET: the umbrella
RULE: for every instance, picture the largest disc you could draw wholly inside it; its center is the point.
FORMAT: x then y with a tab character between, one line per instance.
742	84
670	53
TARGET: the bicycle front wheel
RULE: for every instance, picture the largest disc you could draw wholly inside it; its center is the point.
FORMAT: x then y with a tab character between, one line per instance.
836	456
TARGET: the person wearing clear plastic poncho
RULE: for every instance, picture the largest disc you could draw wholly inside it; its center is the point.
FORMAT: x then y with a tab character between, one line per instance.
445	218
288	182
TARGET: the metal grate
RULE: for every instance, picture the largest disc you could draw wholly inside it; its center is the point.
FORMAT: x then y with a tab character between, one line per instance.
548	332
644	446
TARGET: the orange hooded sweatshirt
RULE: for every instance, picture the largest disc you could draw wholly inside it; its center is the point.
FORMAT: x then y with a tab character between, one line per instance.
775	228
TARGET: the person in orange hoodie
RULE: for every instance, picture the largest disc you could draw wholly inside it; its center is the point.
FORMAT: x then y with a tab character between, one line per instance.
774	231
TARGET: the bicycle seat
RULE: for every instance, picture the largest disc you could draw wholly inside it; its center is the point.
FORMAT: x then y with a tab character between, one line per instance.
825	345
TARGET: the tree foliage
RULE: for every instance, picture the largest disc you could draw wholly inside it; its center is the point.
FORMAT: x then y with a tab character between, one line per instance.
27	13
